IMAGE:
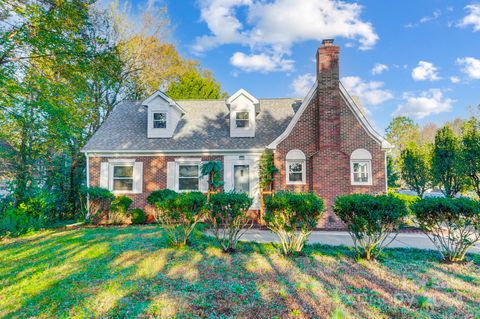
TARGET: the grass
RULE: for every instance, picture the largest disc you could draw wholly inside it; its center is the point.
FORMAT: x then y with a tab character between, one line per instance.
130	272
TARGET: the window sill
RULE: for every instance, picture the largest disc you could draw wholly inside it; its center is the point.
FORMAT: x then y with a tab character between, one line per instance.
295	183
362	184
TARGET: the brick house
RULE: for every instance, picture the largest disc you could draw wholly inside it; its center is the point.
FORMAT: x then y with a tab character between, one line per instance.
323	143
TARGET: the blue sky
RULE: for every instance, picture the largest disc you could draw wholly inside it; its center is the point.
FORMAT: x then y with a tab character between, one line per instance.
419	58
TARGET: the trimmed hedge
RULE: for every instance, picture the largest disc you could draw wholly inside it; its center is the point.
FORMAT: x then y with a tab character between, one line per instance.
452	224
370	220
228	217
293	216
138	216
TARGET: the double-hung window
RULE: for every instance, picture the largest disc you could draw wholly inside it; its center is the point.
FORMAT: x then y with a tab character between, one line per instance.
188	177
361	167
242	119
160	120
123	178
295	167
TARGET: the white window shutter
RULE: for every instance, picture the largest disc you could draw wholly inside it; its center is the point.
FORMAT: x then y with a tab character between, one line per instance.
138	177
203	182
104	175
171	168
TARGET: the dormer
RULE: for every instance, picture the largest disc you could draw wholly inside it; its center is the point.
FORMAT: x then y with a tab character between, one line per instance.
163	115
243	110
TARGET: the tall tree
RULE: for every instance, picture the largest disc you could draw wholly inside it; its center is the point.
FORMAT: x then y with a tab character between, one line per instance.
447	166
195	84
400	132
415	167
471	152
393	178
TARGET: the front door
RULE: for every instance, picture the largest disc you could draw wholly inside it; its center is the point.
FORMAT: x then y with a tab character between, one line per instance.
241	179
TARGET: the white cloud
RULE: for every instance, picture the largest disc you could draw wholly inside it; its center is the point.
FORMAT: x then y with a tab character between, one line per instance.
435	15
454	79
369	93
425	71
473	18
427	103
470	66
379	68
261	62
275	26
302	84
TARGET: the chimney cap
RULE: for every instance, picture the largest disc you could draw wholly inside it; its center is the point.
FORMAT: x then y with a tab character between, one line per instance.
327	42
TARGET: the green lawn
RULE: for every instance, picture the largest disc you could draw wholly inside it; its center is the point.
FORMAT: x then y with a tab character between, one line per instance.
131	272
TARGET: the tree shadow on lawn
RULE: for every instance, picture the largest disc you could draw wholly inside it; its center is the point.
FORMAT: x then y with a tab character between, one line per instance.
132	272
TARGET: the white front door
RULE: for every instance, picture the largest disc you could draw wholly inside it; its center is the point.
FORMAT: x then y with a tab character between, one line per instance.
241	178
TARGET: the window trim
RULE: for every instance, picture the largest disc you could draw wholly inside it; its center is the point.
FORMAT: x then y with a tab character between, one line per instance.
249	177
247	127
112	181
369	171
177	175
153	120
287	171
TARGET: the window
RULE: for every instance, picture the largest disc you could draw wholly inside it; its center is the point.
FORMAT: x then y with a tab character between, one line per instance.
295	171
242	119
241	178
123	178
361	167
160	120
360	172
188	175
295	167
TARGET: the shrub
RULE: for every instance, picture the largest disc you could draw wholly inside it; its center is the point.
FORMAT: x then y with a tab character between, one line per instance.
180	213
408	200
138	216
288	212
370	220
229	217
18	221
100	200
453	225
159	196
119	210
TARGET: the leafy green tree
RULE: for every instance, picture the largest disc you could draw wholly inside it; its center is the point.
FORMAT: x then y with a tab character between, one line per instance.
393	177
415	168
448	169
471	152
195	84
400	132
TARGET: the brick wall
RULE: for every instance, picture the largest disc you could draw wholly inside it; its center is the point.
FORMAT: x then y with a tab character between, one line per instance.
154	175
327	133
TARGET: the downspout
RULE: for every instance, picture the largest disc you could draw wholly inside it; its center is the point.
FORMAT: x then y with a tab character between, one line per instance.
386	174
88	185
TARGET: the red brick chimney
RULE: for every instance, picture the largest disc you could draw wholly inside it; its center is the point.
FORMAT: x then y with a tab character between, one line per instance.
328	94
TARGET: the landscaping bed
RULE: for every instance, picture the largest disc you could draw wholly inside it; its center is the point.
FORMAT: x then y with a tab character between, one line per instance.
128	272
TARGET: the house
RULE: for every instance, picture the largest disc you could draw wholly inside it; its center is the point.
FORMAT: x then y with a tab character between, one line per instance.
323	143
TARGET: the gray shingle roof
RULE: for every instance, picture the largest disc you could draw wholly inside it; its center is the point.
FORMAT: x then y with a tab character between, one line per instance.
204	126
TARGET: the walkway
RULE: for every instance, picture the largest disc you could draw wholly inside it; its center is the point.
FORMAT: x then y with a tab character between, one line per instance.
404	240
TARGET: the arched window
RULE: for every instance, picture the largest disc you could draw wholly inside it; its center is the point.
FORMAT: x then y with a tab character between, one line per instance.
295	167
361	167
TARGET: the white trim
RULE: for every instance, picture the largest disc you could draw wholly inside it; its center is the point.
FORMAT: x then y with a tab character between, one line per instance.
188	159
154	120
386	174
245	93
350	103
197	152
229	161
362	119
88	184
369	172
177	173
295	118
287	171
170	101
121	160
111	177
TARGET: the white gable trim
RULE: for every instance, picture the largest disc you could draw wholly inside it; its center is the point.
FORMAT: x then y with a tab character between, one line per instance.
353	107
295	118
245	93
363	120
166	98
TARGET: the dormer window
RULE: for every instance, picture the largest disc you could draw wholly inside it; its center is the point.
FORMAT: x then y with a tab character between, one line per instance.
160	120
242	120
